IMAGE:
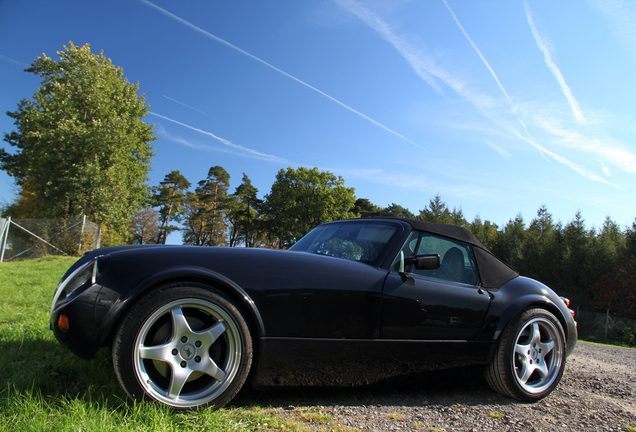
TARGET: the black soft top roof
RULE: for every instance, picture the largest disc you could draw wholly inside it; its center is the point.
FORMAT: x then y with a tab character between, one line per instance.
450	231
494	272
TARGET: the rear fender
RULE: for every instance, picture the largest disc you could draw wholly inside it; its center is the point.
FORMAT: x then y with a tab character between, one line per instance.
528	302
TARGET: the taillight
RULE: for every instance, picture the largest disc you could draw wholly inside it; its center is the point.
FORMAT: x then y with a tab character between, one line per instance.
566	301
567	304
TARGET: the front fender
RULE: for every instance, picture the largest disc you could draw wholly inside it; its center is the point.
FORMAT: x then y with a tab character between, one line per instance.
117	304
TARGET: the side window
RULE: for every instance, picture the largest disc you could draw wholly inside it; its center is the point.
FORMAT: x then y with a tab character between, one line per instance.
457	261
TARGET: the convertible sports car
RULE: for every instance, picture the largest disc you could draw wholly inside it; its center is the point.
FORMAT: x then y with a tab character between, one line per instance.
356	302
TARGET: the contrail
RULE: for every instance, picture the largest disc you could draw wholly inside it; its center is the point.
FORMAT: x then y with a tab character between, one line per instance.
576	109
481	56
9	59
187	106
253	57
530	140
494	75
424	67
427	68
224	141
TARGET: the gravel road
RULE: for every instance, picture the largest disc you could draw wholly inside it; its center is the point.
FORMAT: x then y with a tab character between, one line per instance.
597	393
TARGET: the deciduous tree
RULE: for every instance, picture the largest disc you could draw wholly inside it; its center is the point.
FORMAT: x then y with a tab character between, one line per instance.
145	226
81	146
303	199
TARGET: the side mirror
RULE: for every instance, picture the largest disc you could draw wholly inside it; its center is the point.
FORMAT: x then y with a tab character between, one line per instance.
424	262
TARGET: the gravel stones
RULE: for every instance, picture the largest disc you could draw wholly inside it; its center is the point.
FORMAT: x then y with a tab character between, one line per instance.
597	393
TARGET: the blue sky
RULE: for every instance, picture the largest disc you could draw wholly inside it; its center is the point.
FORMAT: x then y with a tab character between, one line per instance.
499	107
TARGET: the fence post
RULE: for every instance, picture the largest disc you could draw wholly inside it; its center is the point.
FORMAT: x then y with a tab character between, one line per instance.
4	236
606	322
79	249
98	242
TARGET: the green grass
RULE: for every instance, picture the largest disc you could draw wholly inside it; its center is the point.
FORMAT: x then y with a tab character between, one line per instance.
604	342
43	387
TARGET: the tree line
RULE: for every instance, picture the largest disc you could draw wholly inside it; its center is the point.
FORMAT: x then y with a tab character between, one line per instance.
594	267
81	147
209	215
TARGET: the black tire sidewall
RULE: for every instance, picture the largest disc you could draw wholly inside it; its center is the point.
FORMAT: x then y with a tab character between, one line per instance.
509	340
126	336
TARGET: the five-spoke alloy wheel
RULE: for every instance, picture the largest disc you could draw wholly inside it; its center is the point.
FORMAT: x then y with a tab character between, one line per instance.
184	345
530	360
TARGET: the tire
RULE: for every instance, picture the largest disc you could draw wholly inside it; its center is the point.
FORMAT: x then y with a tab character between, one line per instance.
530	359
185	345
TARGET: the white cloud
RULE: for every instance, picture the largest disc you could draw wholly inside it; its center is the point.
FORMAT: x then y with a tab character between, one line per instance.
621	15
605	148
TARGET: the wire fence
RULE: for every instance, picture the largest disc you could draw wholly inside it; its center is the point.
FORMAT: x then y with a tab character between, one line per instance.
609	326
33	238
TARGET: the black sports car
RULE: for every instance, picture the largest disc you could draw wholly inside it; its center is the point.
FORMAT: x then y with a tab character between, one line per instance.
356	302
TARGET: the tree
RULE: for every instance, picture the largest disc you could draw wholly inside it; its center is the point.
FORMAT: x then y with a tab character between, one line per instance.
616	292
395	210
509	244
145	226
577	259
233	216
436	211
81	145
365	208
195	223
610	246
486	232
302	199
629	252
542	249
205	216
169	196
247	210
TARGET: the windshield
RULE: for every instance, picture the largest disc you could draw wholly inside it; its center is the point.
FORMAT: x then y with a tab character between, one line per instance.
364	241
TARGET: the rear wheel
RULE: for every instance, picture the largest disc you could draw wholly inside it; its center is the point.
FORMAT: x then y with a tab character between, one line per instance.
530	360
184	345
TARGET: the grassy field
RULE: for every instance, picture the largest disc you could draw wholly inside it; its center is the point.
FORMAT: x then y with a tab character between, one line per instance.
45	388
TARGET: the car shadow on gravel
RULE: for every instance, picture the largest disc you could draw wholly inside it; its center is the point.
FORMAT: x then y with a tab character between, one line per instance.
445	389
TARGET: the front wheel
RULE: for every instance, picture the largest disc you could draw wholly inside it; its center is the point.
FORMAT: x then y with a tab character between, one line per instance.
530	360
184	345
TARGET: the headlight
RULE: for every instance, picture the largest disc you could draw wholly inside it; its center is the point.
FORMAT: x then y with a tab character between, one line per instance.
83	277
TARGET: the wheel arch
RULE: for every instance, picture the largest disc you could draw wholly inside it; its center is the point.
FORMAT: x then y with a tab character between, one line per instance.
184	274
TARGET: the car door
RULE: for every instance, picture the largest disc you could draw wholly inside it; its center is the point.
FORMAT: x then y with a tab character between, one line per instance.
435	304
334	290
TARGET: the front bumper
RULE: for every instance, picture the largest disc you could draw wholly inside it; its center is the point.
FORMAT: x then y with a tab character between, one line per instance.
74	317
